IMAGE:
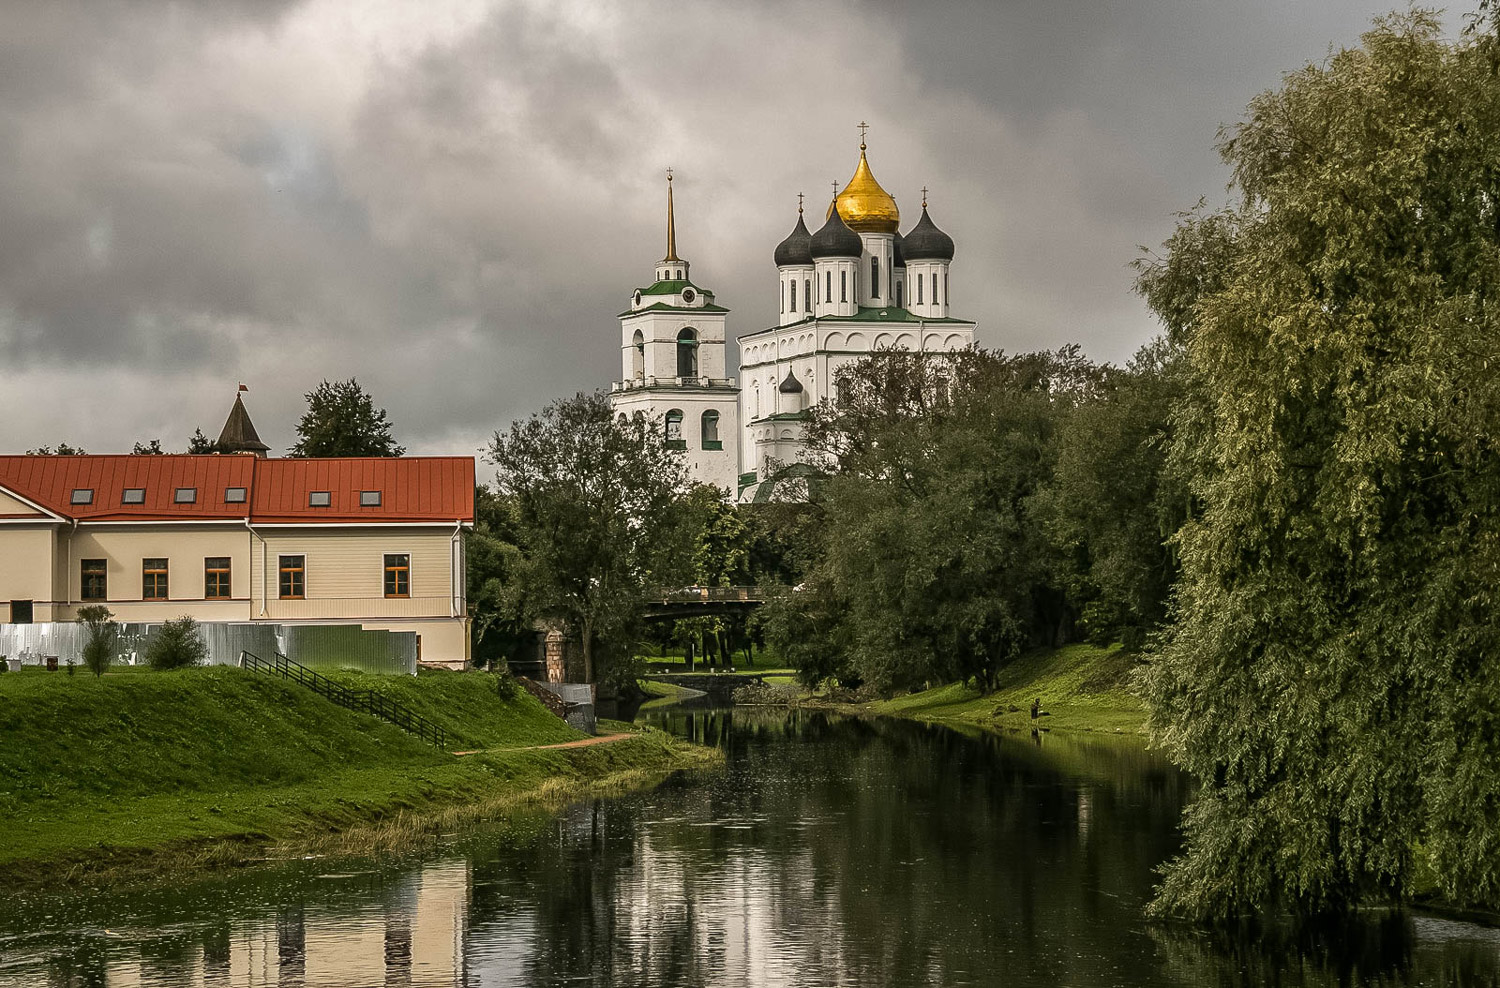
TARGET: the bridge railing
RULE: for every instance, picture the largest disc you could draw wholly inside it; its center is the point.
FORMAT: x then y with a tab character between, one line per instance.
710	595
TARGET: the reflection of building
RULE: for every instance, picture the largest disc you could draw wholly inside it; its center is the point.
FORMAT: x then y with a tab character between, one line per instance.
415	937
370	541
854	287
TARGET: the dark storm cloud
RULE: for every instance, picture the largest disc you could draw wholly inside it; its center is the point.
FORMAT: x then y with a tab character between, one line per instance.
451	200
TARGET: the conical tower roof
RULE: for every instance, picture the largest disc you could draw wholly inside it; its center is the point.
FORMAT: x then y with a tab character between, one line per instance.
238	434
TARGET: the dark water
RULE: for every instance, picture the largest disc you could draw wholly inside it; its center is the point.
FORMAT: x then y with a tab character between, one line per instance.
828	852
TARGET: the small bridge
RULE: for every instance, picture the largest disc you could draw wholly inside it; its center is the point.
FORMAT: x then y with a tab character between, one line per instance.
719	685
690	602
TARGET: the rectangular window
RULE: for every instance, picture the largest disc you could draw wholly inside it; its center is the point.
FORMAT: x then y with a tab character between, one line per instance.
898	294
234	495
93	581
292	587
133	495
216	578
934	289
807	294
828	286
783	296
794	296
945	290
369	499
843	286
82	495
153	579
20	612
186	495
919	289
319	499
397	575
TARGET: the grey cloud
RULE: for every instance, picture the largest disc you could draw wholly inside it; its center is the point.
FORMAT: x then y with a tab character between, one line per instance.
453	201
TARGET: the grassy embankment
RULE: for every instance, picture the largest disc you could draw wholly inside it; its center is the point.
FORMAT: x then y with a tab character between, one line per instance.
1082	687
142	770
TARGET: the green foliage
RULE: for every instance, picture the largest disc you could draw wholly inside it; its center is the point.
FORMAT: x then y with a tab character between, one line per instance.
62	449
199	443
103	633
1330	680
176	645
341	420
500	620
152	448
596	502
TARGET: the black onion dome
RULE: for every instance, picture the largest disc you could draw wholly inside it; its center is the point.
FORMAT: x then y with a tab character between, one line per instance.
899	254
835	239
797	247
926	242
791	386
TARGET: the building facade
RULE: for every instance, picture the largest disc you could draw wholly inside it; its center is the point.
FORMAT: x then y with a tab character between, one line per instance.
854	287
239	538
672	367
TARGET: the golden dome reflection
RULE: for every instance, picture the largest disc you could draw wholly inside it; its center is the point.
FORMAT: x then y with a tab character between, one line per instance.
864	205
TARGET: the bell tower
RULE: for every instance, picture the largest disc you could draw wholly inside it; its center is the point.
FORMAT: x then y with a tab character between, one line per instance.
672	367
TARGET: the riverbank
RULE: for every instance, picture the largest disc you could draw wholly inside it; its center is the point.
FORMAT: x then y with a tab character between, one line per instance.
140	771
1082	688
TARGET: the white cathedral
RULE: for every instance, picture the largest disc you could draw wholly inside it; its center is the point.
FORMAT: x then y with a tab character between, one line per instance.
855	286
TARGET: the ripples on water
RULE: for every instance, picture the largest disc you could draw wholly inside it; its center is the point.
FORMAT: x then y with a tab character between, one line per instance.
827	852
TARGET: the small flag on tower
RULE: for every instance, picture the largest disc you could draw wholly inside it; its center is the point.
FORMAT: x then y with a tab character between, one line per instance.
243	388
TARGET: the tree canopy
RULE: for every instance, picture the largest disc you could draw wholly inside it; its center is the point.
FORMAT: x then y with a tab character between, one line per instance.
597	502
1330	678
342	420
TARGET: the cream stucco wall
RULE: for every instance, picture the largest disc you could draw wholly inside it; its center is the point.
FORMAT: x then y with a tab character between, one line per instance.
27	567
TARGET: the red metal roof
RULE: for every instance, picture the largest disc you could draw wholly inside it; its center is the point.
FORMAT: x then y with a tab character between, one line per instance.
412	488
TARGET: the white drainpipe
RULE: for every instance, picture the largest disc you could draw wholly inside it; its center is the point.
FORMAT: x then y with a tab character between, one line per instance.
251	529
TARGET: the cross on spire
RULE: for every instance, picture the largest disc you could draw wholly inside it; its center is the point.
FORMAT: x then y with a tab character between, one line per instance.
862	128
924	197
835	189
671	224
799	204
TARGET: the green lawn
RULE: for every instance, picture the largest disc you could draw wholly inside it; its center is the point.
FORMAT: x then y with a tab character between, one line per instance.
91	769
1082	687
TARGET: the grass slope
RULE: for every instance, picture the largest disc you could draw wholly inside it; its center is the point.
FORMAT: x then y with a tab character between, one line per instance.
1083	687
93	772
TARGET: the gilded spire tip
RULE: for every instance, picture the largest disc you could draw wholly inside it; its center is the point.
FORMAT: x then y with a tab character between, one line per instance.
671	224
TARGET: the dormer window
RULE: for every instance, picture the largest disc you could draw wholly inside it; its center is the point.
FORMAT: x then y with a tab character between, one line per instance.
234	495
637	297
369	499
185	495
319	499
133	495
82	495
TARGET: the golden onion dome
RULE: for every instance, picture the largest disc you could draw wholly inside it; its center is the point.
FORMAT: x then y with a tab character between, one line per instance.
864	205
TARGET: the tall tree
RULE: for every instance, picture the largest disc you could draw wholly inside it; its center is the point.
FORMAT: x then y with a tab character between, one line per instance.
342	420
497	581
1330	680
199	443
597	498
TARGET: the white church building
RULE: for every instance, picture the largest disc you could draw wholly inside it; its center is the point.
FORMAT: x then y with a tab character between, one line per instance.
855	286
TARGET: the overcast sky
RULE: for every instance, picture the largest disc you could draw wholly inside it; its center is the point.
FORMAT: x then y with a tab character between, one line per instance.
452	199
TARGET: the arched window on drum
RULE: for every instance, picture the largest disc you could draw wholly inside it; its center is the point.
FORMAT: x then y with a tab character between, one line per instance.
710	430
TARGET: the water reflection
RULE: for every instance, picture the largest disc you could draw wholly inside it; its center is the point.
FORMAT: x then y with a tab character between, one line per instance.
827	852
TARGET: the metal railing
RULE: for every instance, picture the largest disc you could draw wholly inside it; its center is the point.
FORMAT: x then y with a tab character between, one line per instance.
710	595
364	701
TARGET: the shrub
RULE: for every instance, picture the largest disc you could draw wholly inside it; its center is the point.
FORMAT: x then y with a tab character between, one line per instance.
177	645
99	650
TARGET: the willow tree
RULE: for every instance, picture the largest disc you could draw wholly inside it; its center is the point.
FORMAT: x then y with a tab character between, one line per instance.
1333	678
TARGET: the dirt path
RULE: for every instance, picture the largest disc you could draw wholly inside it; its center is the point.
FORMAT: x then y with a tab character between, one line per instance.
580	743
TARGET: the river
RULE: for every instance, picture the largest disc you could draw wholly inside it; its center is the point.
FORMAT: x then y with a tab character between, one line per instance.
828	851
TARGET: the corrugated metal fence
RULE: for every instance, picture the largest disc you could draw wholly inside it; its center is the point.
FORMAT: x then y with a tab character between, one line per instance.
329	646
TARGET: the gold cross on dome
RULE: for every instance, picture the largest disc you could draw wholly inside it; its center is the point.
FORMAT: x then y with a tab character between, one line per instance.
862	128
835	190
799	202
924	197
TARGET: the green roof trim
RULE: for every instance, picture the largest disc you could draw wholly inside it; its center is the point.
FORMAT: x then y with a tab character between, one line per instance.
668	307
674	288
889	313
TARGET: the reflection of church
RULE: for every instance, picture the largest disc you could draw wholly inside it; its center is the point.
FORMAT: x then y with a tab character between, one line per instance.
855	286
